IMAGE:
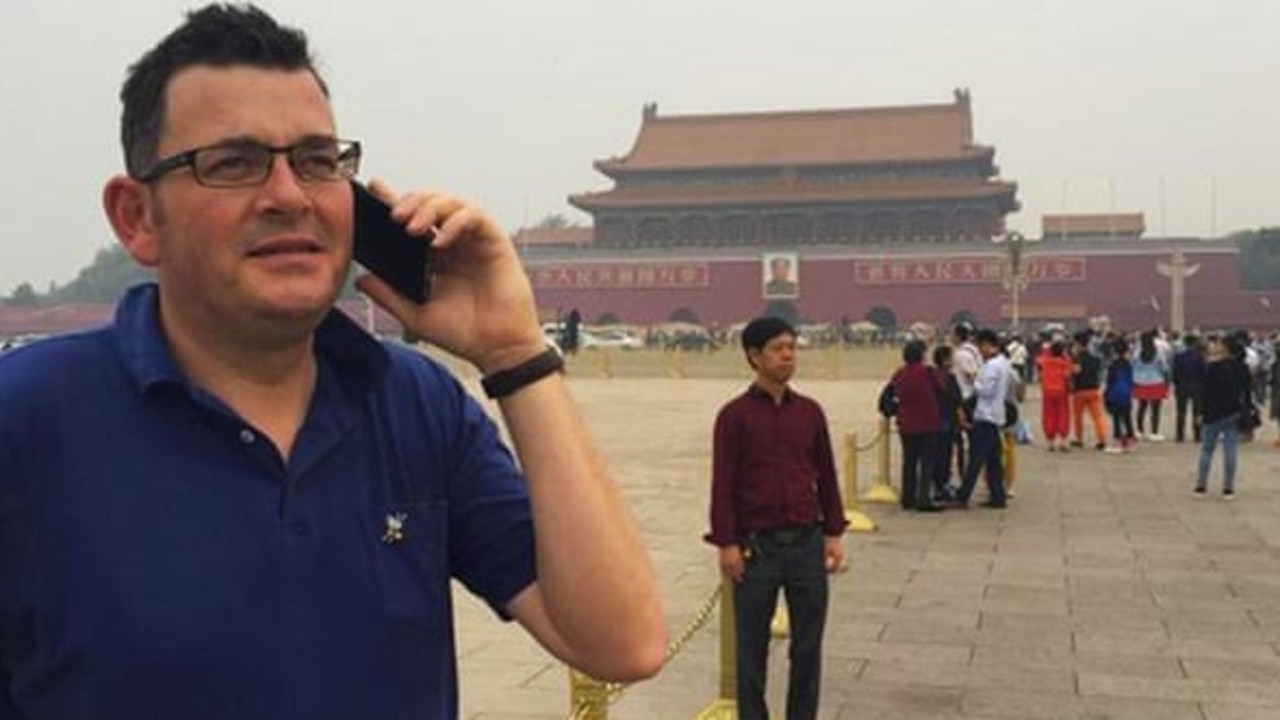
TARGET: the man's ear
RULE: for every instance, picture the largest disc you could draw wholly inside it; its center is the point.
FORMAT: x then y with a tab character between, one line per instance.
128	207
752	354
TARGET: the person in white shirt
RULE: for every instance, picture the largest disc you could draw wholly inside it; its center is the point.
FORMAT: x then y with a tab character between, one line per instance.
967	361
991	390
1018	357
965	364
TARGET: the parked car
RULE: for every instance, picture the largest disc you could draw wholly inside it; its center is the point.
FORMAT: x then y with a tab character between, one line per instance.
610	338
551	332
691	340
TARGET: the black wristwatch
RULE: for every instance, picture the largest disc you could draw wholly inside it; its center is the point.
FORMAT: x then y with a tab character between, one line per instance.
505	382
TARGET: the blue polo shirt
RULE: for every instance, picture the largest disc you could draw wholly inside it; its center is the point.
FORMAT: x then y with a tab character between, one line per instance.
159	559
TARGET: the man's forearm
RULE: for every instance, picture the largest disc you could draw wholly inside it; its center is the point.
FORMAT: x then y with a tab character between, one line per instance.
594	574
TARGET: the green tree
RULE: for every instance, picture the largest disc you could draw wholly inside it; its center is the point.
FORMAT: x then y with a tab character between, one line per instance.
1259	258
554	220
104	280
24	294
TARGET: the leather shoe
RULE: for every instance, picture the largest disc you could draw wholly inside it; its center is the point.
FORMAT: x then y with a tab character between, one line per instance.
996	505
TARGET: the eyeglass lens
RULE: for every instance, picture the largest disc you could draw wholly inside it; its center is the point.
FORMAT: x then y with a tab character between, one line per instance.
248	163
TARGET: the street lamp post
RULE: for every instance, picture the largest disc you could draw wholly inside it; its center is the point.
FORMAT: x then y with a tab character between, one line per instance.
1013	277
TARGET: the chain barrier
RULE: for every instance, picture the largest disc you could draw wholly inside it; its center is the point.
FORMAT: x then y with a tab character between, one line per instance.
870	443
591	698
611	692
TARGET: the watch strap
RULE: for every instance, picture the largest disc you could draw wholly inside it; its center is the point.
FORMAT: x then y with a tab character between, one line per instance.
505	382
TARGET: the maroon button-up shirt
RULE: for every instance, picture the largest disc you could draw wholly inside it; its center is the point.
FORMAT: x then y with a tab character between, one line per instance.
772	467
917	389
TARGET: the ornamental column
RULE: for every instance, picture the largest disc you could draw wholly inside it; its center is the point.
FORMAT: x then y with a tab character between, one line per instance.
1177	270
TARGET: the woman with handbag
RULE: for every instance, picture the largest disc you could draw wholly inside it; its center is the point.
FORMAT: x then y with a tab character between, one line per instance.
1225	397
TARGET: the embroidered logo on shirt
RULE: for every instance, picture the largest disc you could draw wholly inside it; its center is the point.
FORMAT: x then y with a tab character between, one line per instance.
394	531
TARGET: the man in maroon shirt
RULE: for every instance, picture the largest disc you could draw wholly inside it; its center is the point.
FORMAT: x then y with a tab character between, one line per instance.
776	518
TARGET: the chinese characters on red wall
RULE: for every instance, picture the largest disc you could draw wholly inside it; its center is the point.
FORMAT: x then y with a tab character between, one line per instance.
964	271
621	276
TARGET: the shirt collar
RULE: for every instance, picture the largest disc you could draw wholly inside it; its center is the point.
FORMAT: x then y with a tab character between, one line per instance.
359	358
758	392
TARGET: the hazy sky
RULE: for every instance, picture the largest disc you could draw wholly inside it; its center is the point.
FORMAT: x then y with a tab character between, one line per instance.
1164	107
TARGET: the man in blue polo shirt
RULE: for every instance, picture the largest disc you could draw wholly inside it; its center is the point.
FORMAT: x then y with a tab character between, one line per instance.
232	502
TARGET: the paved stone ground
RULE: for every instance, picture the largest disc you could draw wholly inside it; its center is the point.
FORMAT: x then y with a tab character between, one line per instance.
1104	591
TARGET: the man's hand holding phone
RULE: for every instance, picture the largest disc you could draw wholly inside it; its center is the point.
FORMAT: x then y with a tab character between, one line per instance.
481	304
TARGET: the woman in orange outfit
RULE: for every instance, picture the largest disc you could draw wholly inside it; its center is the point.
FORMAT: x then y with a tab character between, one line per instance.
1055	387
1086	393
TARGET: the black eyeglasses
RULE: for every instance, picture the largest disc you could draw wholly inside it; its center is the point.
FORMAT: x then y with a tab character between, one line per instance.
245	163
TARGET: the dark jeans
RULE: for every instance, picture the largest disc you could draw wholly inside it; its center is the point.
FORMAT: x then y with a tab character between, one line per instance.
919	453
793	561
1121	420
942	459
984	452
1185	401
1154	407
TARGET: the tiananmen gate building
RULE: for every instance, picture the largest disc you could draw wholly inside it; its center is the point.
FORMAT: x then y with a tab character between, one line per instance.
829	214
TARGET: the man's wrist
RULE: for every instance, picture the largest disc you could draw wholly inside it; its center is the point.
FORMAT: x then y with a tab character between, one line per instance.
510	356
505	382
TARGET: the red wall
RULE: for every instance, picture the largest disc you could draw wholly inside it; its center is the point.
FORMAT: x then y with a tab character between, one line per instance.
1124	286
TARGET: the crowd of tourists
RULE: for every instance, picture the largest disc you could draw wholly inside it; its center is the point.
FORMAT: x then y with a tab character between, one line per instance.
959	414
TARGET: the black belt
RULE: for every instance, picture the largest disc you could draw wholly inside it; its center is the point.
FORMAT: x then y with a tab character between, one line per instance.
785	535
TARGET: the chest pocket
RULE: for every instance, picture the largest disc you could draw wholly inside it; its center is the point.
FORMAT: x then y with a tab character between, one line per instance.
411	563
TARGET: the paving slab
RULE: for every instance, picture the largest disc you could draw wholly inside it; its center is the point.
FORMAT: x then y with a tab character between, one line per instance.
1105	591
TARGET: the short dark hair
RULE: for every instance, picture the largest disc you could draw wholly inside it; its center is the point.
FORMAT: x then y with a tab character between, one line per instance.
941	354
1236	342
987	336
760	331
217	35
913	352
962	331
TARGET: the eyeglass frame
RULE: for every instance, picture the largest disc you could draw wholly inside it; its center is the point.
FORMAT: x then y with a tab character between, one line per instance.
349	149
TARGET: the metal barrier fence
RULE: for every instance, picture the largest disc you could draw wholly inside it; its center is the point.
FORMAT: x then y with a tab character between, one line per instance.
589	699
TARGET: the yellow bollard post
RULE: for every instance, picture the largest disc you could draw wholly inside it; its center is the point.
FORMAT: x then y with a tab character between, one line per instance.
1010	458
858	521
780	625
606	363
725	707
588	697
675	363
881	491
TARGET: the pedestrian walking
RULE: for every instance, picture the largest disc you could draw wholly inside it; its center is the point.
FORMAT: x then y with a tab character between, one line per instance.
1227	393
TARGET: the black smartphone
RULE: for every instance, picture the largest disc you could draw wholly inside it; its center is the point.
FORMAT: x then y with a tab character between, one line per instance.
383	246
